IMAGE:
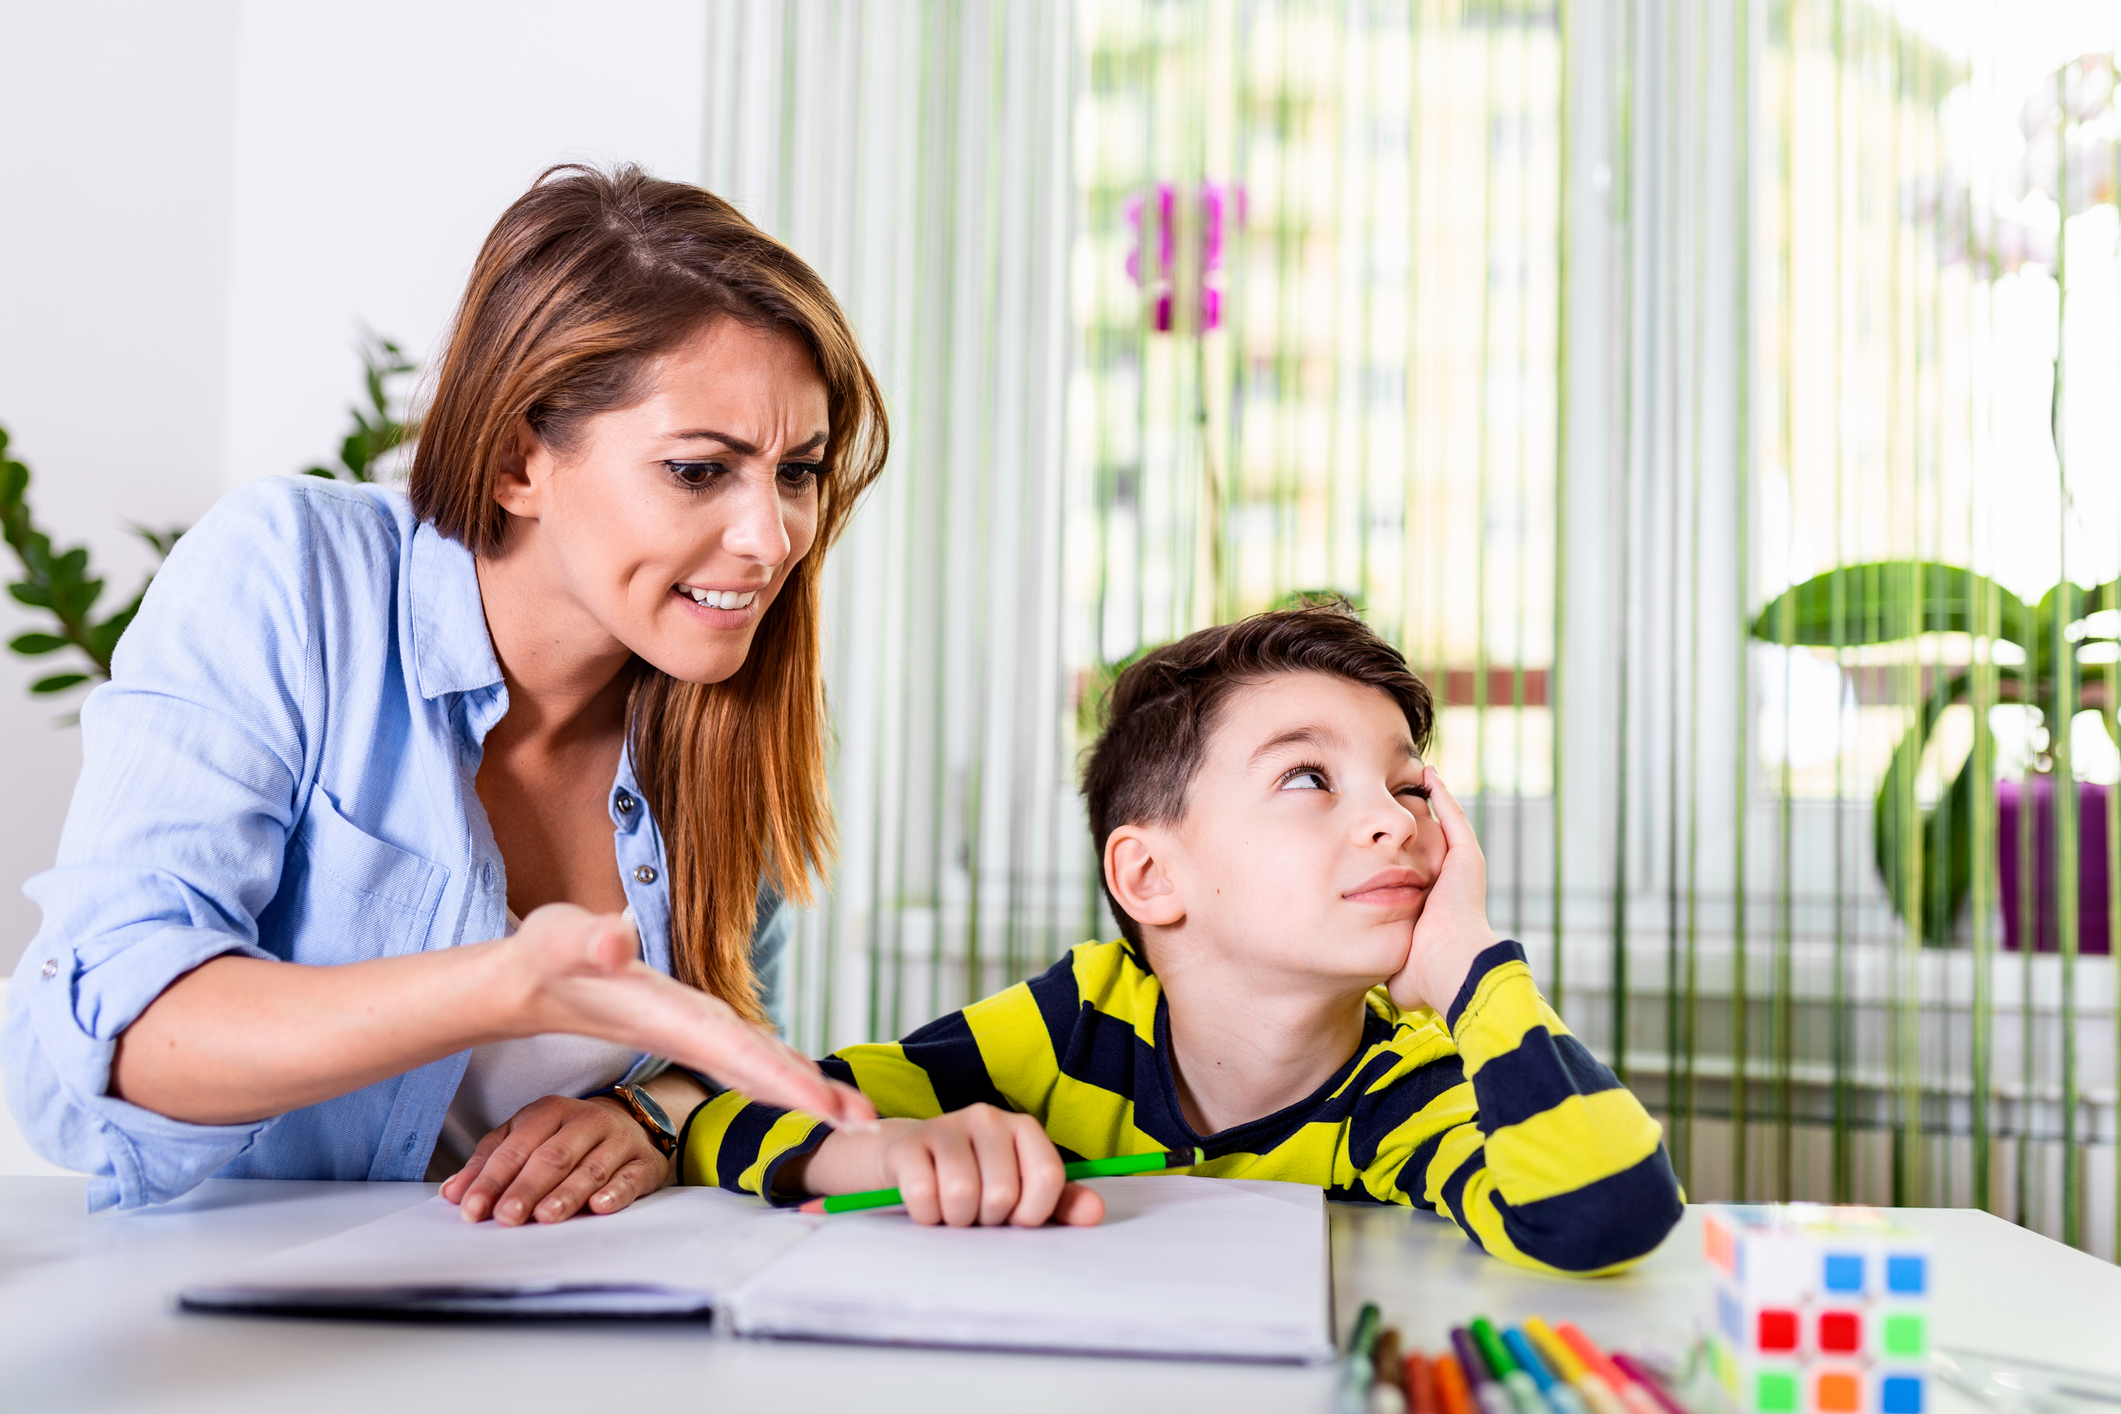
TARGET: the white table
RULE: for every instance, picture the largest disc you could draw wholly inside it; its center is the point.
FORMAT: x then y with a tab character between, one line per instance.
86	1322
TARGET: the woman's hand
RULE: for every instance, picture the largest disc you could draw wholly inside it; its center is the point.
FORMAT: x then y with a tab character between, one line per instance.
1453	927
978	1165
581	972
555	1157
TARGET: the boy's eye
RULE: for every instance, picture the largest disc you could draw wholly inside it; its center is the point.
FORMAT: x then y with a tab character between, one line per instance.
1419	792
1306	778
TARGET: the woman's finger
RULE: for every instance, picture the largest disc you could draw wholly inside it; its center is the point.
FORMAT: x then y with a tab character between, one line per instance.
454	1186
1040	1176
578	1143
532	1126
1079	1207
746	1059
598	1170
637	1179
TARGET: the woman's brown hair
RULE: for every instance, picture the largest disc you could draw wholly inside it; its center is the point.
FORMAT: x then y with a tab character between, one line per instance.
584	282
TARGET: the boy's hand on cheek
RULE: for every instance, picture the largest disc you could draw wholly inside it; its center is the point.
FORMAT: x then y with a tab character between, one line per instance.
1453	927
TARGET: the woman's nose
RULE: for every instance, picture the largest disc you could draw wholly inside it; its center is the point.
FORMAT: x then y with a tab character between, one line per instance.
757	529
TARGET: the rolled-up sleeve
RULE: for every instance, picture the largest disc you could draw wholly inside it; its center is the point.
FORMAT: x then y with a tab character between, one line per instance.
193	757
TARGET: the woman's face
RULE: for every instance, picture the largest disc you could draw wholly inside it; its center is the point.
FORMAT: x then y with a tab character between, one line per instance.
671	525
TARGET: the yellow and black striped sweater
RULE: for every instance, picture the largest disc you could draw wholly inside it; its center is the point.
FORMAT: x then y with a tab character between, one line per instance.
1493	1115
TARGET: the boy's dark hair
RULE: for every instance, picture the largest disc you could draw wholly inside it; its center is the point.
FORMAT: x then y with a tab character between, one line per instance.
1164	707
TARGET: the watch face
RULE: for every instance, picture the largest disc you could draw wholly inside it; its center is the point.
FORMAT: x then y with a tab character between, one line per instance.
655	1111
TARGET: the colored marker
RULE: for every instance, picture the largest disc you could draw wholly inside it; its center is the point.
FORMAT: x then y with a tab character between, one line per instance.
1386	1394
1451	1393
1631	1367
1420	1384
1492	1397
1081	1168
1568	1366
1632	1395
1356	1369
1523	1393
1558	1393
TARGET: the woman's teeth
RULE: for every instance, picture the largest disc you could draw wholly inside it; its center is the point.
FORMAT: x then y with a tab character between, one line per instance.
720	598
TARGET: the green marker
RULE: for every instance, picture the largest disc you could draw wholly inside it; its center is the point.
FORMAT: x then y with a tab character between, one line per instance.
1524	1391
1081	1168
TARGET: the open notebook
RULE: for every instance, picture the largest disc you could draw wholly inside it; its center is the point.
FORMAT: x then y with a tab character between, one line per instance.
1193	1267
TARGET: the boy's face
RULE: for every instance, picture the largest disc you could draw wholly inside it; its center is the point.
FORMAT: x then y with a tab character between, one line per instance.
1307	846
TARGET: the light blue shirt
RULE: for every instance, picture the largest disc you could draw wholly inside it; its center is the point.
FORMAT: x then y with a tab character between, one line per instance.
281	766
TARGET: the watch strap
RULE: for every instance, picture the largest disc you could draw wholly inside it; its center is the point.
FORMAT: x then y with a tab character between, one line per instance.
646	1113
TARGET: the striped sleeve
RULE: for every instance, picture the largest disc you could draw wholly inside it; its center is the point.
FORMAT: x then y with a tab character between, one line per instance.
1522	1138
733	1143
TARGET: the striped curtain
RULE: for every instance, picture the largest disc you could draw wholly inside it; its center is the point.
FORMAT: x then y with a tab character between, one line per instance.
1712	397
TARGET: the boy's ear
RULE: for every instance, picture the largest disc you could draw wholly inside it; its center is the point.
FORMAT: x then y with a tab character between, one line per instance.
1137	878
514	487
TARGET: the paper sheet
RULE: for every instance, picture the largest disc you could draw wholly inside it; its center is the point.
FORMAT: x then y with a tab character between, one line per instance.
672	1252
1190	1267
1200	1267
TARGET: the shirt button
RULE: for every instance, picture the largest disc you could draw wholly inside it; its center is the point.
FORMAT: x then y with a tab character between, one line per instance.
646	873
486	876
625	803
51	968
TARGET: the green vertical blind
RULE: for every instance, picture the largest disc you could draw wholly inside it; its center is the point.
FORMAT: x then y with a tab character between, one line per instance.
1735	375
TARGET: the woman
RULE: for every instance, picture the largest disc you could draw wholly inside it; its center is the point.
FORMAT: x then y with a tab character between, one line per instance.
570	679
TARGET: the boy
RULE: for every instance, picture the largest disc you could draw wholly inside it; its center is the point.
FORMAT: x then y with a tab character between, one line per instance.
1308	990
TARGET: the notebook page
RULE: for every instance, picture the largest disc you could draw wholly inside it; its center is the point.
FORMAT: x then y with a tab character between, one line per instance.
1194	1267
674	1251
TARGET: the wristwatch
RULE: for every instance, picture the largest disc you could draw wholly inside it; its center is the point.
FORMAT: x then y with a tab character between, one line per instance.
646	1112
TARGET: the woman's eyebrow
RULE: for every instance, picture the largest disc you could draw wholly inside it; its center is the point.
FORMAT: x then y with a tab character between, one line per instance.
738	445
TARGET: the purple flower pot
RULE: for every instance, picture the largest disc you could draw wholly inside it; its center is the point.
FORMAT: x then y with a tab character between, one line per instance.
2092	891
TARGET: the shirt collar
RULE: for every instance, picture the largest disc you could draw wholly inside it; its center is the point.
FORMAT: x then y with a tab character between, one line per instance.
452	651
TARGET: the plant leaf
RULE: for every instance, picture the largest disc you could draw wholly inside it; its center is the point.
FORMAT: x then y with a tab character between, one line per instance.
1888	600
58	682
30	645
1944	844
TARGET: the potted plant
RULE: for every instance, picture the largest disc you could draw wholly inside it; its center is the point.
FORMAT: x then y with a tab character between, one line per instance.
1894	601
60	582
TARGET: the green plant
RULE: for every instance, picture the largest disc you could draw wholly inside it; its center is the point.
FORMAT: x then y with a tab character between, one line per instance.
60	582
377	431
1894	601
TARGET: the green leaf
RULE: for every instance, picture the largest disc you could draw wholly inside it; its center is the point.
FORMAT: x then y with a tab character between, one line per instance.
34	595
58	682
164	540
320	471
103	638
1943	843
30	645
1889	600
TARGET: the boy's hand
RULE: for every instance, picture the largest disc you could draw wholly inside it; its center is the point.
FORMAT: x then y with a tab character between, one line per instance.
1453	927
975	1165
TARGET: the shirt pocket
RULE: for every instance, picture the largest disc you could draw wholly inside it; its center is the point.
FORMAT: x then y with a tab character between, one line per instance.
346	896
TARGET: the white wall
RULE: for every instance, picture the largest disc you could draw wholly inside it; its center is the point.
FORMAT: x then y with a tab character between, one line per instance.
198	202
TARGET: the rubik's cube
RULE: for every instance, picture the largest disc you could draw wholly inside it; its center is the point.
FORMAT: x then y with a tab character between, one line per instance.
1819	1310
